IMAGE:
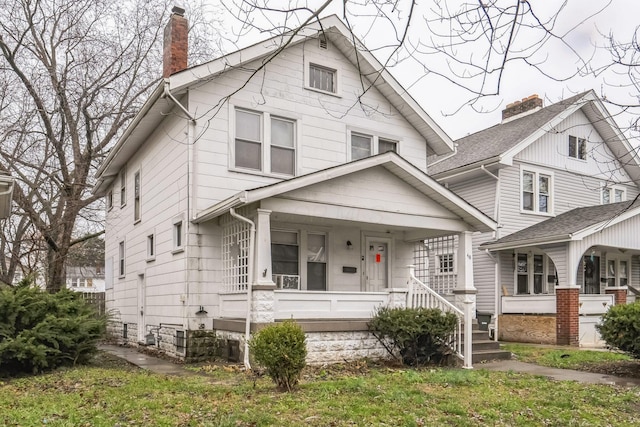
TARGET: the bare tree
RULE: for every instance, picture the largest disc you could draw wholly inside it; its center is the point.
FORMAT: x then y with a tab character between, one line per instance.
73	73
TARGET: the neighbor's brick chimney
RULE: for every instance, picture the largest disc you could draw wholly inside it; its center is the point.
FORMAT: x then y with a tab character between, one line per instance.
175	43
519	107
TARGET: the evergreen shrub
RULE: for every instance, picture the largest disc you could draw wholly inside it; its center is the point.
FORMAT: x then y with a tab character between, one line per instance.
620	328
419	335
281	349
41	331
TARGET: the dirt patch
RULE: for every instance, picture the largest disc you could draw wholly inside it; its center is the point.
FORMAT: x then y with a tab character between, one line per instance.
623	368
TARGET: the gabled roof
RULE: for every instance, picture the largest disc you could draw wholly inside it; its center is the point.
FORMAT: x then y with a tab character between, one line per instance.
500	143
575	224
390	161
154	110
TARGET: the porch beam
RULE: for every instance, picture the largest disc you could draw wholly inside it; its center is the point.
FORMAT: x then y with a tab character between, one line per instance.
350	213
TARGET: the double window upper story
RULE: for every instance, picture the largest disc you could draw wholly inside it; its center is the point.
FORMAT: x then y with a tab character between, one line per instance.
363	145
264	143
536	187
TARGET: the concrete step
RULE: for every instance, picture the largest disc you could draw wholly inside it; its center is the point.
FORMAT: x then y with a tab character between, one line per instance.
484	345
486	355
478	335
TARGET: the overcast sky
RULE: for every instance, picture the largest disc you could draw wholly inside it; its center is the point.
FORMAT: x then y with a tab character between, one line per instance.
452	107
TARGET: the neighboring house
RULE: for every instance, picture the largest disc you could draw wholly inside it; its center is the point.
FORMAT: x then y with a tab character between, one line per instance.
561	183
272	184
85	279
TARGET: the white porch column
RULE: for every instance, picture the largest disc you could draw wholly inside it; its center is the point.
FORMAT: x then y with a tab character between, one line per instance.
263	248
465	290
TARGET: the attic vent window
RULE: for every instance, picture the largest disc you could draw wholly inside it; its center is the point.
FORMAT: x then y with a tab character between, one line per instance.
322	78
577	148
322	43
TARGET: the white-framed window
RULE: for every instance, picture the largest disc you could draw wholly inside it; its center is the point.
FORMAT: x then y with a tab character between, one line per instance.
290	270
123	187
617	271
264	142
537	191
121	259
446	263
322	74
316	262
613	194
151	247
532	274
109	200
178	235
577	147
363	145
136	196
323	78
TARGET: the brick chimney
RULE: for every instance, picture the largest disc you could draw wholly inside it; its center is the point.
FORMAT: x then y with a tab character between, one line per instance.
530	103
175	43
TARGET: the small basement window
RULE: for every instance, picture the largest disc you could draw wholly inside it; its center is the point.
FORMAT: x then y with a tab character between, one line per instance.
180	342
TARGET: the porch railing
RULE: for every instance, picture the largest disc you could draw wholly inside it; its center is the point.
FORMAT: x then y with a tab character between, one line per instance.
420	295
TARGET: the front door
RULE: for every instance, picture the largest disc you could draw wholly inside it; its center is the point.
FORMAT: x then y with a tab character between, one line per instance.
591	274
377	264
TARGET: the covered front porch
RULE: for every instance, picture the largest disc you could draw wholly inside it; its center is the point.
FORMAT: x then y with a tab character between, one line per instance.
329	248
558	277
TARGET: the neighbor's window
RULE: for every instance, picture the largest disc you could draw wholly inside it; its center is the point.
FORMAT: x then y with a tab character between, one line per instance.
385	145
136	196
269	152
322	78
121	263
531	277
536	192
613	194
109	199
577	148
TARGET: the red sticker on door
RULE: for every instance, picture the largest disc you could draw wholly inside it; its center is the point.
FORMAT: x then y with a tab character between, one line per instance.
377	257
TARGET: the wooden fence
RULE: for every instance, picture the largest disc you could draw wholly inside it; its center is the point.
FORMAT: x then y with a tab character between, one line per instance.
95	299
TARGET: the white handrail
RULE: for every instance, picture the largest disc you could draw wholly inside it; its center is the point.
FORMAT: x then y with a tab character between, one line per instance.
420	295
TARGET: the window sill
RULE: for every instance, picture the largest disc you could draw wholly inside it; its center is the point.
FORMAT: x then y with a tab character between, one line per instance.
137	221
150	259
534	213
324	92
260	173
123	206
177	250
122	277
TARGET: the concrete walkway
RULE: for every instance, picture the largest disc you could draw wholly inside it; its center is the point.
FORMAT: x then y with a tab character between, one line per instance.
558	374
161	366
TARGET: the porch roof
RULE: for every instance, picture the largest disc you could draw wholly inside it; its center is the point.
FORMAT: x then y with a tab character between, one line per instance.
392	162
575	224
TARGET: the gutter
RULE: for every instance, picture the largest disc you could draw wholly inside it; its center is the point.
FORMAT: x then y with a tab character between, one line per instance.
531	242
217	210
448	156
466	169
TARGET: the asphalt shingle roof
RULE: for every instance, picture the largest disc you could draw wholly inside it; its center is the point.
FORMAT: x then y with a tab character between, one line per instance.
496	140
569	222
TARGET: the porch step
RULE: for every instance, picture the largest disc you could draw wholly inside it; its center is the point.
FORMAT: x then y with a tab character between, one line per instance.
484	348
480	356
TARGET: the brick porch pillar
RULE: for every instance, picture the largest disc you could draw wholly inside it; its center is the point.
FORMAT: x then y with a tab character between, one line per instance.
567	316
619	295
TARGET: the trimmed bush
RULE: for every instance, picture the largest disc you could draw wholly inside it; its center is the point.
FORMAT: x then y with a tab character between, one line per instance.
419	335
40	331
620	328
281	349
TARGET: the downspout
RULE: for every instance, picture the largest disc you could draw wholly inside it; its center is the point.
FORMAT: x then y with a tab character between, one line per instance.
247	326
496	265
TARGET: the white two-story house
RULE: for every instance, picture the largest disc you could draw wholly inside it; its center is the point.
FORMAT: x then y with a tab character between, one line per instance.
562	184
284	180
